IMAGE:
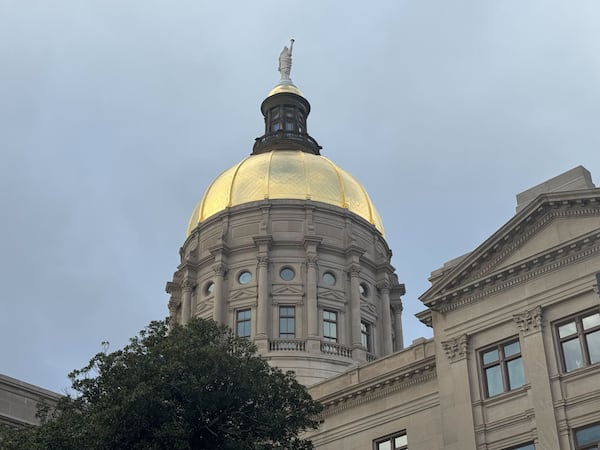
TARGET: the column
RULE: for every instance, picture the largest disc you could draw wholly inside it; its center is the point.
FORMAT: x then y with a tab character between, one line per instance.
536	371
399	340
355	314
220	302
384	288
312	315
262	312
186	303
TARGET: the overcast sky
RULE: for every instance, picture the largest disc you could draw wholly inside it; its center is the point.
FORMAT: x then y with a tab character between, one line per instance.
116	115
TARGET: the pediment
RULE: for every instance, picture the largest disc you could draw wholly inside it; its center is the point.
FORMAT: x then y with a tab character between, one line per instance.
287	290
240	294
330	294
531	235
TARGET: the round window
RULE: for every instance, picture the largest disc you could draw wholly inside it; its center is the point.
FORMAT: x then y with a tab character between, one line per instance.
209	288
287	274
329	278
364	289
245	277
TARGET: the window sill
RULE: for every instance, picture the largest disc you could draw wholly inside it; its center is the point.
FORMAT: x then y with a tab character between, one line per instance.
504	397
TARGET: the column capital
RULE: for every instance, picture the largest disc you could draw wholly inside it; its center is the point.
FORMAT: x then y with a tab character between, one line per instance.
529	321
384	286
354	270
311	260
220	268
263	260
188	284
456	349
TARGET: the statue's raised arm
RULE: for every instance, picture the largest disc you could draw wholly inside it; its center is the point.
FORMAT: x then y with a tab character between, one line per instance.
285	61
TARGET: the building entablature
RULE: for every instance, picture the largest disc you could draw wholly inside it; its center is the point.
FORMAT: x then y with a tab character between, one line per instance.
413	365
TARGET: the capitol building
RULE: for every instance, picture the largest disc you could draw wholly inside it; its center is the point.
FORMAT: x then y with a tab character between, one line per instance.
288	249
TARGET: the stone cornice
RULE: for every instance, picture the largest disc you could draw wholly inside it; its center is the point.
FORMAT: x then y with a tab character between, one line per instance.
520	272
421	372
513	234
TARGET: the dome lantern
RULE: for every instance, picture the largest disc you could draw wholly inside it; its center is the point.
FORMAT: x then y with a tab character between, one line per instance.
285	111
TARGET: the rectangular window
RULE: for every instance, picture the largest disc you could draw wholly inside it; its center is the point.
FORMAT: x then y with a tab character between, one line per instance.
502	368
330	326
365	335
242	323
287	322
397	441
579	341
588	437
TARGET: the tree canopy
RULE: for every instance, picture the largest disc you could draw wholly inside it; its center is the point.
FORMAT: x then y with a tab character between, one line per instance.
176	387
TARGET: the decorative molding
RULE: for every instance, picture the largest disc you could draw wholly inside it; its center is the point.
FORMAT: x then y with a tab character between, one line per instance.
174	304
311	261
519	273
263	261
456	349
530	321
378	390
188	284
354	270
220	269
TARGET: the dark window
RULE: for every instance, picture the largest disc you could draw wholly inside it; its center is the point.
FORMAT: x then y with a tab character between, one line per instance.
364	289
502	368
287	322
579	341
242	323
365	335
528	446
397	441
330	326
587	437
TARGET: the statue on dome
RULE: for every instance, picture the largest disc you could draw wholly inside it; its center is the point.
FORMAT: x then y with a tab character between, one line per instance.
285	61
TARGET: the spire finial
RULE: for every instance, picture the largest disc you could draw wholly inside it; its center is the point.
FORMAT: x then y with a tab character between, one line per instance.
285	61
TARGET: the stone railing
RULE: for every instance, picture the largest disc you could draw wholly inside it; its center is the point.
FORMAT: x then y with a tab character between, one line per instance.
331	348
371	357
287	345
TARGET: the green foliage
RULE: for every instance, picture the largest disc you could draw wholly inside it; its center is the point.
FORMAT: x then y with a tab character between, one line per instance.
181	387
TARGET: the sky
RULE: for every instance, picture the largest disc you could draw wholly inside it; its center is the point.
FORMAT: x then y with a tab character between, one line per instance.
115	116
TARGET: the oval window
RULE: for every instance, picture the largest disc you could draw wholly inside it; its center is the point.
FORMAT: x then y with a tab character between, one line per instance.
287	274
328	278
209	288
364	289
245	277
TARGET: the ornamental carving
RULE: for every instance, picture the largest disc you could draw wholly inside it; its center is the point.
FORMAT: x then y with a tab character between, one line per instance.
354	270
529	321
188	284
220	269
384	286
456	349
312	261
263	261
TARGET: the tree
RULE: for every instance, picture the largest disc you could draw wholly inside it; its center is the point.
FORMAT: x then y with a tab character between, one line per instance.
176	387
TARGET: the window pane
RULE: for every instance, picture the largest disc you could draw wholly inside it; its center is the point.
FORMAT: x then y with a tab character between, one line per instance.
567	329
387	445
591	321
525	447
516	376
494	380
589	435
572	353
489	357
400	441
593	343
512	349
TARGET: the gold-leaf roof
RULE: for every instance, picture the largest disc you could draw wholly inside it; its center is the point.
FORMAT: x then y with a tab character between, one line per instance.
285	175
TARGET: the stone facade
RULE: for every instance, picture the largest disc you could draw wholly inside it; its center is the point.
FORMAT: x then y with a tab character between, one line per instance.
515	358
19	400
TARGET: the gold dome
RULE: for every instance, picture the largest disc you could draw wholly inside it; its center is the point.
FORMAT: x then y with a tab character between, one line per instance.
285	175
285	88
